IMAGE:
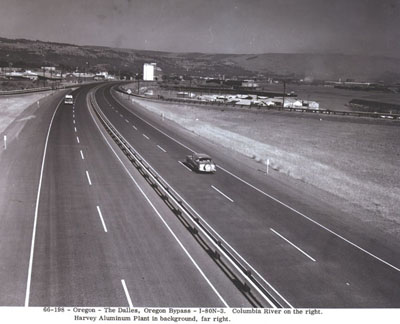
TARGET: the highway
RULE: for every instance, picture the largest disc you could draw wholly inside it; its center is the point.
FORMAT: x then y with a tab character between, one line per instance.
81	226
92	232
308	251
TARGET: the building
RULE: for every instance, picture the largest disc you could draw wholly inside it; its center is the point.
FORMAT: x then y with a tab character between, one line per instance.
148	71
151	72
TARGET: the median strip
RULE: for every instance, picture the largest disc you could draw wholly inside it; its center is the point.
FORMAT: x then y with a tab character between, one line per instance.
192	222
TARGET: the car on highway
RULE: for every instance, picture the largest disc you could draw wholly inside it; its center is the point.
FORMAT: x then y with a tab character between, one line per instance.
68	99
201	163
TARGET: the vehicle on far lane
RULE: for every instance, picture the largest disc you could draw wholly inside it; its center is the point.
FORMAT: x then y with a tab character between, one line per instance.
201	163
68	99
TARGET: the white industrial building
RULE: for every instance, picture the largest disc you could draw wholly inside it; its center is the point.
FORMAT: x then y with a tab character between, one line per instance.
148	71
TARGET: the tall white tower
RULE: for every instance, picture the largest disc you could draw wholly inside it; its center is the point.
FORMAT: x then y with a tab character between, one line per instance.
148	71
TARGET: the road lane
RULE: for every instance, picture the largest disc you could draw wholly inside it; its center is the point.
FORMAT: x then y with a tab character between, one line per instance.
90	237
20	165
246	226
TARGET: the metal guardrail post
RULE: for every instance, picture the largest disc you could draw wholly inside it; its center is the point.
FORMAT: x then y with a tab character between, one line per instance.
222	255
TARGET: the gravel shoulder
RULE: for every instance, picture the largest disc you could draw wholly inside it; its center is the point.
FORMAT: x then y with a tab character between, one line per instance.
12	106
344	159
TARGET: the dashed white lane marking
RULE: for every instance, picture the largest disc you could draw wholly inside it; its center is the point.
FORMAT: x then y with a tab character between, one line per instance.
185	166
77	139
127	293
231	200
101	217
127	120
280	202
134	127
75	129
161	218
82	155
73	121
121	115
161	149
295	246
145	136
88	178
313	221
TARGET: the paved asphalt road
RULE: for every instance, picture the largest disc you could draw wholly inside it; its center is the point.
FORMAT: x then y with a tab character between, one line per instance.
102	237
20	167
308	250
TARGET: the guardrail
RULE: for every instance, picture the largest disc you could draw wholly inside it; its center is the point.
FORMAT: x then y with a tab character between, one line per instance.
276	108
41	89
248	282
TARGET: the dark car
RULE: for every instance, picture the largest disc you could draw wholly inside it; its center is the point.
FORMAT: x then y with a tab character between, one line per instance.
201	163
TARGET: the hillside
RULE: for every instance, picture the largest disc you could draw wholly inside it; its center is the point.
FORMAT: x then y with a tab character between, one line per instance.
27	53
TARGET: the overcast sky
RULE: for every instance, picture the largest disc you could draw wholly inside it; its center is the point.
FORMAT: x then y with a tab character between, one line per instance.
211	26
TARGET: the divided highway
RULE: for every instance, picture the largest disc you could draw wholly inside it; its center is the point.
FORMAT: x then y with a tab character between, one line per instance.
307	252
96	234
81	226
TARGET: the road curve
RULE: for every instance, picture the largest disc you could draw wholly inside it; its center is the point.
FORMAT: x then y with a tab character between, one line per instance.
308	251
95	233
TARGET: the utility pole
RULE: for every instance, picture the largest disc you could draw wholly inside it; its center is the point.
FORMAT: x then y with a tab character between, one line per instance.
284	93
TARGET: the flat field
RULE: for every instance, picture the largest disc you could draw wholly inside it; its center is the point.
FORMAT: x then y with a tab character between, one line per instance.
12	106
353	159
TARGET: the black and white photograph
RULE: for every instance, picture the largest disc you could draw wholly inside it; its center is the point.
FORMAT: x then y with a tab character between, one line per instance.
203	161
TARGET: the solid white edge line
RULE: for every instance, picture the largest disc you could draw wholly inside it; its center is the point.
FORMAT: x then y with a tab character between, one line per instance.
292	244
161	218
222	193
127	293
165	134
102	219
161	149
88	178
82	155
184	166
275	199
28	282
313	221
77	139
203	220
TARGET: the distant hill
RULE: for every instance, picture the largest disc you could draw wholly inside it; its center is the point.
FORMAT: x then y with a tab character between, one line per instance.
28	53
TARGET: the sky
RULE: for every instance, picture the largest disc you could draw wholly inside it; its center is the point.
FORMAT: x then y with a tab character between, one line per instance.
211	26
